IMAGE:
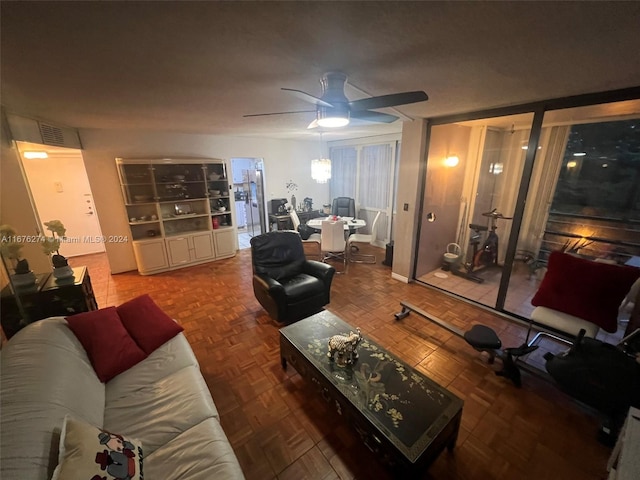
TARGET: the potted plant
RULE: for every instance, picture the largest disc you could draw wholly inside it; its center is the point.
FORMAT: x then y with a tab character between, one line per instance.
51	246
11	250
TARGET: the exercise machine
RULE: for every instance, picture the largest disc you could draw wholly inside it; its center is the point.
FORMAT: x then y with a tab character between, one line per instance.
601	375
487	255
482	339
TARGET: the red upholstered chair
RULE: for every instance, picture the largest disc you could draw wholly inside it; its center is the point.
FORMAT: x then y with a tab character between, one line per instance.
576	294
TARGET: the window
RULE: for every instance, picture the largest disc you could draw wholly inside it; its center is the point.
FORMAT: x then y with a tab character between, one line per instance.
600	174
344	167
367	174
375	177
595	210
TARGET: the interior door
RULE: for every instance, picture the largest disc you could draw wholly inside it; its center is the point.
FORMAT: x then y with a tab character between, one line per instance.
60	190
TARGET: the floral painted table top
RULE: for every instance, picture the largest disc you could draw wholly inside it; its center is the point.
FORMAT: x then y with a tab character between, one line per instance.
406	406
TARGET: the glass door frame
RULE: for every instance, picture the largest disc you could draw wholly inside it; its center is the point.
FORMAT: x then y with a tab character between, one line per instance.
538	109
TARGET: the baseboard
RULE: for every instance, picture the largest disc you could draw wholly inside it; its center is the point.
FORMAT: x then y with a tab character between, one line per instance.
395	276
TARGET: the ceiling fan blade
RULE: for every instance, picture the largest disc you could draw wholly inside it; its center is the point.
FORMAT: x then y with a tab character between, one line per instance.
388	100
307	97
370	116
278	113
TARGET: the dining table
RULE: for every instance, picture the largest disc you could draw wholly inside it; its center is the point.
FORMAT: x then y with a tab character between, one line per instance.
350	222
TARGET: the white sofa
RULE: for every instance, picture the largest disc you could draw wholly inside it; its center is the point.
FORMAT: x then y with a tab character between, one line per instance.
162	401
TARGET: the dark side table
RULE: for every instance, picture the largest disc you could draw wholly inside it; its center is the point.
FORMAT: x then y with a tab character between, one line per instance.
49	297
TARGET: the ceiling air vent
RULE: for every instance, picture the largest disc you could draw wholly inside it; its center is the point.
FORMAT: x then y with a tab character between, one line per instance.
51	135
27	129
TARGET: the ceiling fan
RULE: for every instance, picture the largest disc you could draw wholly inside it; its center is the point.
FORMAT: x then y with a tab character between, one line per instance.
333	108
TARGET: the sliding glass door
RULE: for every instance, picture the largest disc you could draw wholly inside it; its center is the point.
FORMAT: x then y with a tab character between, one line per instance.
493	210
473	173
584	195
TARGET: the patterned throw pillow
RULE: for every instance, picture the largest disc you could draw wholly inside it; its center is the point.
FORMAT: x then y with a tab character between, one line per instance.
90	453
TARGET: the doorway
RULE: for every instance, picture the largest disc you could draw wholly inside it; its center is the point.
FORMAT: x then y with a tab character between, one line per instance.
248	190
473	172
60	190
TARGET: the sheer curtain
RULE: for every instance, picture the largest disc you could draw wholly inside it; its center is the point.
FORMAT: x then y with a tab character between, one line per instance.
367	174
344	170
375	177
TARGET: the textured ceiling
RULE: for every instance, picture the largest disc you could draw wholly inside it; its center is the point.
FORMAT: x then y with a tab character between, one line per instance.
200	66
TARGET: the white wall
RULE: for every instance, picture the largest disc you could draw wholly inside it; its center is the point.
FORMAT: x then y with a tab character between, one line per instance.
412	155
284	160
15	203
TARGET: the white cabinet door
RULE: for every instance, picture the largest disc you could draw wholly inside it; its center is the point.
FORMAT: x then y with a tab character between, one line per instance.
151	256
225	241
202	246
178	250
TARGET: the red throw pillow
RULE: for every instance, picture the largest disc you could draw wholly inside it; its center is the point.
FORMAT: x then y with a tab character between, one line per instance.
109	346
149	326
585	289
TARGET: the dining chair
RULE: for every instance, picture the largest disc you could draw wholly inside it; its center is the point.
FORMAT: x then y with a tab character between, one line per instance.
313	240
333	244
363	238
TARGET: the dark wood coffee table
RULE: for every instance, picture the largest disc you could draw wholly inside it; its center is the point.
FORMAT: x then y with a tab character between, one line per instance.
404	417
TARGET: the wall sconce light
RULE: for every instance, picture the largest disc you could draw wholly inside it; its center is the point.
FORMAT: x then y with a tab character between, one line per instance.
321	169
32	155
572	164
451	161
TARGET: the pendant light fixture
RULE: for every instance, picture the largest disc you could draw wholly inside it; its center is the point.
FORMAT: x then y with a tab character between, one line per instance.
321	167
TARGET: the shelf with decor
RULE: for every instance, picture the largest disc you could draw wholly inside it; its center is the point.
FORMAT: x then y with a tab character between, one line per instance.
137	184
180	211
143	220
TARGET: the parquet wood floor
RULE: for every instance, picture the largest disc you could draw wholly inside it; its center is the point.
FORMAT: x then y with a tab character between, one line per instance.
280	428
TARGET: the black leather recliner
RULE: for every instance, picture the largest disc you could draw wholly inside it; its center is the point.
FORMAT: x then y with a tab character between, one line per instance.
286	284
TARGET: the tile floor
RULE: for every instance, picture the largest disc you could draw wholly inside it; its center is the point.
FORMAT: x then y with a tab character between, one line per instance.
522	287
244	237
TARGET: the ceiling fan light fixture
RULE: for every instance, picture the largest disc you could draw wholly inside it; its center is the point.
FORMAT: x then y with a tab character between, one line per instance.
333	117
333	122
